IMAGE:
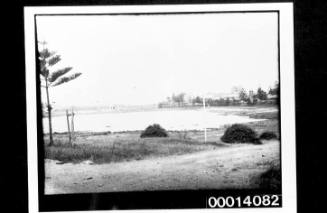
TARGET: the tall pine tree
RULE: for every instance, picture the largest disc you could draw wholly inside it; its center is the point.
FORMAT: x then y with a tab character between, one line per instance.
50	79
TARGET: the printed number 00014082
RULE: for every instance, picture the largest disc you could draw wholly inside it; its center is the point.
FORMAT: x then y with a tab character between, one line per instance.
248	201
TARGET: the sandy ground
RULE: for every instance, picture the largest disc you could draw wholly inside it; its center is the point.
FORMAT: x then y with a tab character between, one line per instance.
233	167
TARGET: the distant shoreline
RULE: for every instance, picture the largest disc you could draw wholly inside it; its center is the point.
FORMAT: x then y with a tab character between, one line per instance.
227	109
266	116
237	114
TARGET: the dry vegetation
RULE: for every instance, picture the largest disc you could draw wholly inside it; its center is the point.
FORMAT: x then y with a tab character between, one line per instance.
123	147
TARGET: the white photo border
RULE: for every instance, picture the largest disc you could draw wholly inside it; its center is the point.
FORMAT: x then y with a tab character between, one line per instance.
286	73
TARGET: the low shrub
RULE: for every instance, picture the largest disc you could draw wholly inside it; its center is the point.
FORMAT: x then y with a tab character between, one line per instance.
268	135
239	133
154	130
256	141
271	179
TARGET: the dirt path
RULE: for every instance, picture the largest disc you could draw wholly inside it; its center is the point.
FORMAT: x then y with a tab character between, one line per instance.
231	167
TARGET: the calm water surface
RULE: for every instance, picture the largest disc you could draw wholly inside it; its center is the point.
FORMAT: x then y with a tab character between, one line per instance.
128	121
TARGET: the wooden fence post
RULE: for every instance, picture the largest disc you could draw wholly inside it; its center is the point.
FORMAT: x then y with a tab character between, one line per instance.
72	125
69	135
112	152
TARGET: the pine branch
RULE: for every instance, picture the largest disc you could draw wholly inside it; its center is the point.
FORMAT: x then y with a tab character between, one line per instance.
55	75
45	53
66	79
53	60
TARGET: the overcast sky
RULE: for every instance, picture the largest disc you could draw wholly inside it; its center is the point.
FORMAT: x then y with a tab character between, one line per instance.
144	59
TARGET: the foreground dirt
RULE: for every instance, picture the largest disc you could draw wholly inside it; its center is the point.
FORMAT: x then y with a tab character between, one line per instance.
235	166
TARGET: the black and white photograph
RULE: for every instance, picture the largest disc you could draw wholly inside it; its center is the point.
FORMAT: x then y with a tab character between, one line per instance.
152	99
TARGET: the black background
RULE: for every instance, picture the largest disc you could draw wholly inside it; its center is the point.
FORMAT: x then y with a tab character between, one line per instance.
311	85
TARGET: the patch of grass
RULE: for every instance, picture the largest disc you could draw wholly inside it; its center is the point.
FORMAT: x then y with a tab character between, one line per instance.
265	115
109	148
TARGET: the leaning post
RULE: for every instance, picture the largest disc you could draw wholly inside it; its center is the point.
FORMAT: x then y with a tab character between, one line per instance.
204	111
72	125
69	135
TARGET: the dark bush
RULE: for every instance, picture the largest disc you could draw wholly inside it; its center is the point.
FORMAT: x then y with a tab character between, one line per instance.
268	135
271	179
154	130
239	133
256	141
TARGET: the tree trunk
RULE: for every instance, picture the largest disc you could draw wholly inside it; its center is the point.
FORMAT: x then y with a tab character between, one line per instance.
49	112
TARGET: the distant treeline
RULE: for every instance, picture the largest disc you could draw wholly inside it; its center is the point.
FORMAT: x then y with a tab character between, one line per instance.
239	97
